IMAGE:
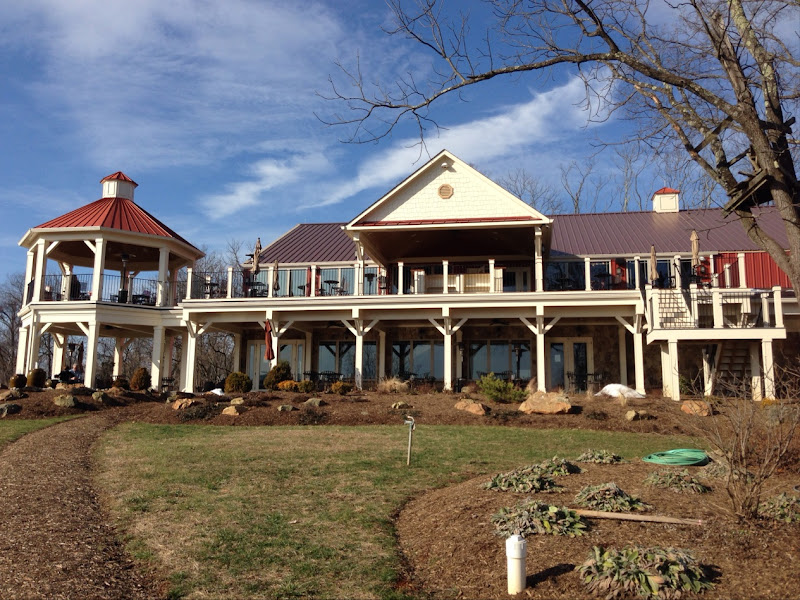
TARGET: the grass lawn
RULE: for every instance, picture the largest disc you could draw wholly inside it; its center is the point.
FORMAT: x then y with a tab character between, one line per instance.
14	429
282	512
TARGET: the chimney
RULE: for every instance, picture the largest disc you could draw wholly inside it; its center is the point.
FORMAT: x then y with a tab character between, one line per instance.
118	185
666	200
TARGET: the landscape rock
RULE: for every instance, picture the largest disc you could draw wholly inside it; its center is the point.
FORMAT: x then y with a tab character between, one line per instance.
237	401
12	394
182	403
65	401
401	405
541	403
638	415
315	402
472	407
286	408
617	390
9	408
698	408
230	410
101	397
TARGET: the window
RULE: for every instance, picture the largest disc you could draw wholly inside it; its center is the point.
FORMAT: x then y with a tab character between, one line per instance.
423	359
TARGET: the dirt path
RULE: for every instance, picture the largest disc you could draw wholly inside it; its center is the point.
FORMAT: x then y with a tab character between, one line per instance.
54	539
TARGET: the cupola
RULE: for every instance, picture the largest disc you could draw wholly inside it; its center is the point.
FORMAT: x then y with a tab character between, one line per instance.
118	185
666	200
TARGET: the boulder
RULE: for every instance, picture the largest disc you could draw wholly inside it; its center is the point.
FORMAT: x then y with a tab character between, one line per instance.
472	407
182	403
698	408
315	402
9	408
101	397
286	408
237	401
230	410
12	394
638	415
65	401
547	405
401	405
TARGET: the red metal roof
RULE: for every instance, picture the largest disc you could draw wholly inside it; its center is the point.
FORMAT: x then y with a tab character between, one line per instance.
113	213
632	233
445	221
666	190
120	176
310	243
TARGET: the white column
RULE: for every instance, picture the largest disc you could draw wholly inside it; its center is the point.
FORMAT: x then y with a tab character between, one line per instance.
540	358
38	275
538	266
190	353
161	295
381	354
448	356
237	351
777	305
676	267
275	342
742	271
307	350
638	361
769	369
459	354
623	356
708	372
358	324
587	273
491	275
229	293
400	278
636	277
672	372
91	353
119	346
29	266
358	269
156	362
189	277
34	339
314	289
271	281
183	362
755	372
716	307
97	271
59	341
445	276
22	346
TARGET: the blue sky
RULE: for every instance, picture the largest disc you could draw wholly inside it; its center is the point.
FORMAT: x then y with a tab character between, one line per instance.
209	107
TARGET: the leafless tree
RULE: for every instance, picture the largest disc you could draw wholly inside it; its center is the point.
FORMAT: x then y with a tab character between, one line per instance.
716	78
10	305
533	191
581	185
630	165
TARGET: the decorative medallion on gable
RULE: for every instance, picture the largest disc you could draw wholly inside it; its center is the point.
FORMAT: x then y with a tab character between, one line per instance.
445	191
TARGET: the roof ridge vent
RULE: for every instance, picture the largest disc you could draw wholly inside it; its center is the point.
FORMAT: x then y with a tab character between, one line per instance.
118	185
666	200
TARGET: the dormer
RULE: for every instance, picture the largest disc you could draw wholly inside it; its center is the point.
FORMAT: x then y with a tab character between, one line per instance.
118	185
666	200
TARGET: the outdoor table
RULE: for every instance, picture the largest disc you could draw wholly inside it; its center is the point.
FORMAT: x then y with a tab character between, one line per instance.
370	277
258	289
331	283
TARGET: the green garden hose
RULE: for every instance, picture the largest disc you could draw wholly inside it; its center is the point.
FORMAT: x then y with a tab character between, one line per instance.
679	456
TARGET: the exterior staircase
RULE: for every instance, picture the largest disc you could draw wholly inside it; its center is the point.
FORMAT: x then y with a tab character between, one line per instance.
673	310
732	367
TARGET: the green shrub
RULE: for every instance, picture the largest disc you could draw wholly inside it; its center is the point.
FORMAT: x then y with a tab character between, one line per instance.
608	497
677	481
599	457
393	385
288	386
341	387
500	391
36	378
781	508
280	372
646	572
306	386
140	380
534	517
18	381
238	383
522	480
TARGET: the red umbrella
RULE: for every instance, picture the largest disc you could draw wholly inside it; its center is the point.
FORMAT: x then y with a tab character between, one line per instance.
269	353
308	282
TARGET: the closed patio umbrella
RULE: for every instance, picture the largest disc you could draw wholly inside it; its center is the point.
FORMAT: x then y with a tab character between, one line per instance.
308	282
695	249
256	255
275	279
653	265
269	353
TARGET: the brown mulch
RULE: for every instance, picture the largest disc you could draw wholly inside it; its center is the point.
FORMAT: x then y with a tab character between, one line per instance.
56	542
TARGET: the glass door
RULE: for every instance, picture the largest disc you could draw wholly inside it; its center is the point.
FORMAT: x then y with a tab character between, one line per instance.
557	364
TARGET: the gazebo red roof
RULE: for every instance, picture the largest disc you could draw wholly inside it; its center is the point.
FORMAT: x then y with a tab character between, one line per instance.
120	176
113	213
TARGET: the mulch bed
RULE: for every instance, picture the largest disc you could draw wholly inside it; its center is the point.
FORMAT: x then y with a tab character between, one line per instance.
56	543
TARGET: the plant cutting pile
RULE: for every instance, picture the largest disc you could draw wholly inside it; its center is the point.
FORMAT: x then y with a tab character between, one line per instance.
599	457
522	480
665	573
558	467
677	481
610	498
534	517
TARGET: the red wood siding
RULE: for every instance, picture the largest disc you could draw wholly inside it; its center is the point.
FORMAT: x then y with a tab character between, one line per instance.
762	272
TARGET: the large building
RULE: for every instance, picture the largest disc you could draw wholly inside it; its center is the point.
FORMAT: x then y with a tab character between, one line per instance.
446	277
